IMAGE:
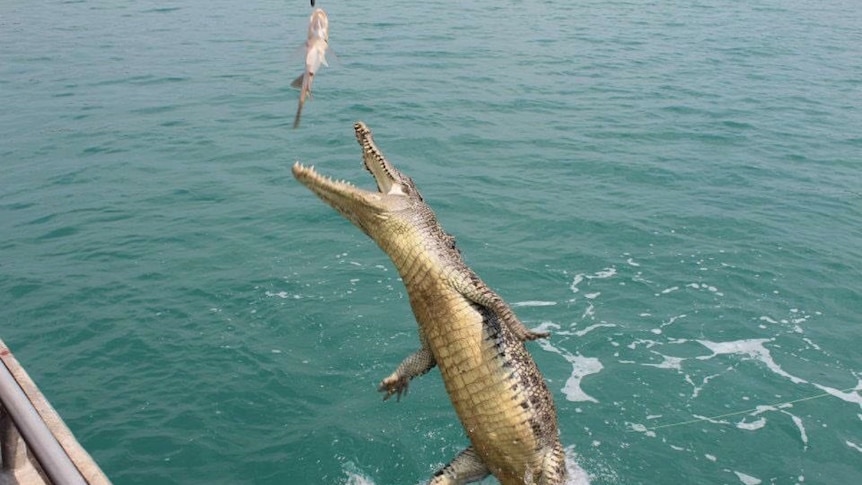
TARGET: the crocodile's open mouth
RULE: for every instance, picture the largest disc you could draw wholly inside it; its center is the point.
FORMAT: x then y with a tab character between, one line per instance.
392	186
318	182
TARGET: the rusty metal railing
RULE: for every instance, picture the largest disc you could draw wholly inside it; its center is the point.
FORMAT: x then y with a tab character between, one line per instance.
35	444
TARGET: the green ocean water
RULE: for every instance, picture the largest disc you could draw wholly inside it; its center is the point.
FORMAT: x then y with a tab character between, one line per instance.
674	189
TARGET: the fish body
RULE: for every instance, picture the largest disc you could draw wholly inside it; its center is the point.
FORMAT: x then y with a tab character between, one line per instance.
315	56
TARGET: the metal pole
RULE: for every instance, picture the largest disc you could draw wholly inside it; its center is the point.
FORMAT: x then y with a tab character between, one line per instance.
53	459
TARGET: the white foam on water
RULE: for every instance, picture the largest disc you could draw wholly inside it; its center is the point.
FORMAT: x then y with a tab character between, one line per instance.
709	420
590	311
852	397
762	408
645	342
751	348
534	303
577	475
669	290
639	278
605	273
356	479
555	329
581	367
802	434
696	391
631	262
642	429
854	446
575	282
580	277
592	296
754	425
811	343
552	327
354	475
581	333
747	479
671	320
711	458
668	362
704	286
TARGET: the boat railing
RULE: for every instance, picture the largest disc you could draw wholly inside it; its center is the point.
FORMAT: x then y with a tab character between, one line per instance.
36	446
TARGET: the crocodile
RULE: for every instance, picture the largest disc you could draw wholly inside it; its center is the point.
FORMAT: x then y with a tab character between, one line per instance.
465	329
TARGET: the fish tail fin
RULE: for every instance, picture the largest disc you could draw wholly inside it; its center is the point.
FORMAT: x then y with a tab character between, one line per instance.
297	83
298	114
304	94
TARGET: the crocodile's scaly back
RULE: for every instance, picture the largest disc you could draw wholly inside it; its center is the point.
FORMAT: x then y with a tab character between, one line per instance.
465	329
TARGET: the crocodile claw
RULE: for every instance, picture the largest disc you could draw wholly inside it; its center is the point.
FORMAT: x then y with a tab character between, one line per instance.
394	386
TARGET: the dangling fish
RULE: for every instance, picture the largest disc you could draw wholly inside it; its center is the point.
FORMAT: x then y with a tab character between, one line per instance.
315	55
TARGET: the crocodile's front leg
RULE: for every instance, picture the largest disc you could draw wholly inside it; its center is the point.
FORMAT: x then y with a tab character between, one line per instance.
414	365
474	289
465	468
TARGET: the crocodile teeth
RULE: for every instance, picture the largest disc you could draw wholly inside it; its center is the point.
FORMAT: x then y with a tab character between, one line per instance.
309	171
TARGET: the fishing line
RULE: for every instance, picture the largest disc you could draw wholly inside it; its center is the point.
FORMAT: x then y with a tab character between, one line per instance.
737	413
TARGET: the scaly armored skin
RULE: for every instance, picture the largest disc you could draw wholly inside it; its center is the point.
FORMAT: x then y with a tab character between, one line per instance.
465	329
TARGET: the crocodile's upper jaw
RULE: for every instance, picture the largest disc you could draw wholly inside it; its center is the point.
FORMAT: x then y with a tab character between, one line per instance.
389	180
367	209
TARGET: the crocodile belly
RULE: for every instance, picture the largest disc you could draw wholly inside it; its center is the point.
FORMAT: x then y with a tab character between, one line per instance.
492	382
